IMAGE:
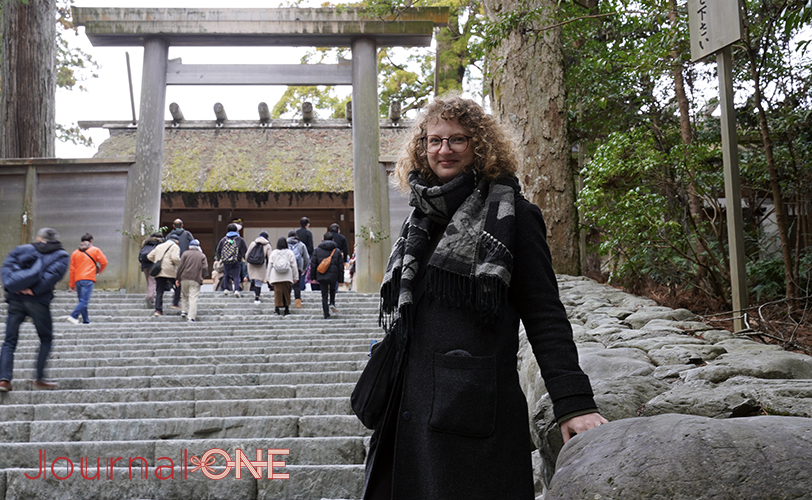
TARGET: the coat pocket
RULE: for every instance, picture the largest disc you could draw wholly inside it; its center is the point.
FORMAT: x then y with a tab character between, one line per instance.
464	399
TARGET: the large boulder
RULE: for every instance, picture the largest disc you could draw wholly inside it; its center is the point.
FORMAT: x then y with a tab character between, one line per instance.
685	457
736	397
649	361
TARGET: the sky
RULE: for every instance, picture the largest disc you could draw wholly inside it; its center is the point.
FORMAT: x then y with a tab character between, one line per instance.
108	96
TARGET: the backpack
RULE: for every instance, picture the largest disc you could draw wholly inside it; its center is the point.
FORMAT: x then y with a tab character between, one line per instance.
228	254
324	265
280	263
256	256
144	252
298	254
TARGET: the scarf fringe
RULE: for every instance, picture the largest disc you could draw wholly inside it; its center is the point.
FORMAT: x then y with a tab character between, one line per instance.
390	292
487	295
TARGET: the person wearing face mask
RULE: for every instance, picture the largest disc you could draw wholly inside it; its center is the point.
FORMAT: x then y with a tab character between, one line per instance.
471	261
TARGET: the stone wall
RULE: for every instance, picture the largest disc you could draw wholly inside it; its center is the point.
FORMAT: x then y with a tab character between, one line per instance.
645	360
72	196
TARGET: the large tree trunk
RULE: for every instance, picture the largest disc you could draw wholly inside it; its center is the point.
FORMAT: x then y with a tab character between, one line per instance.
27	104
527	91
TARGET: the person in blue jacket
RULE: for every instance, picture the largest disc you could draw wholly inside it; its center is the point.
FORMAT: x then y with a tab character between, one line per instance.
29	275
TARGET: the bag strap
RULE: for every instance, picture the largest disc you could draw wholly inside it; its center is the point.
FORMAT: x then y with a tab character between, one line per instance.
91	257
162	256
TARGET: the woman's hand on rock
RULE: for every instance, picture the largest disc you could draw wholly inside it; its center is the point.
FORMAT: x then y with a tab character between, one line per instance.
581	423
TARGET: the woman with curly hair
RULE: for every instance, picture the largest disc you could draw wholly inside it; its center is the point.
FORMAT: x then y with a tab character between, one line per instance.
471	261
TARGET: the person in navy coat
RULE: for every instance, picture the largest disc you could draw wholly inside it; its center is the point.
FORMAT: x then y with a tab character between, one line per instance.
29	275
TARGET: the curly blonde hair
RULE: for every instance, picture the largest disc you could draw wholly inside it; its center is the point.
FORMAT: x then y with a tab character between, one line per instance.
493	148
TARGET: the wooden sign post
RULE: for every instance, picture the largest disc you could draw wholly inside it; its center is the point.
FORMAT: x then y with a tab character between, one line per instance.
715	25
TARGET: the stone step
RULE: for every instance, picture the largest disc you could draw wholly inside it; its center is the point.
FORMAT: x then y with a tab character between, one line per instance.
204	316
303	450
177	394
224	358
247	308
269	340
63	352
177	409
305	482
216	300
134	385
215	304
146	321
197	369
183	329
181	428
103	342
164	381
109	296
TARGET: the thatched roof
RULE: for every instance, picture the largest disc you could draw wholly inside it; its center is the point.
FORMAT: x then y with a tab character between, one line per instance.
256	159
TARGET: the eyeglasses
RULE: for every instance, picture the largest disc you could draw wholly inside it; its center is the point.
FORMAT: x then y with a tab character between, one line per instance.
456	143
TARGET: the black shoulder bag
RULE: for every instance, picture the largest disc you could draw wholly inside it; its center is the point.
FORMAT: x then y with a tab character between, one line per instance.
156	267
372	391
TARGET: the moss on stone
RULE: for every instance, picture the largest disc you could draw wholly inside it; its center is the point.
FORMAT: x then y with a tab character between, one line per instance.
255	160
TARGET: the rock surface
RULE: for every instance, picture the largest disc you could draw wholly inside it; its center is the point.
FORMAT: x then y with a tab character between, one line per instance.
645	360
684	457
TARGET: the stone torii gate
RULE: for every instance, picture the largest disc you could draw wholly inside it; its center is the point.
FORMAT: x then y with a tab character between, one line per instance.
157	29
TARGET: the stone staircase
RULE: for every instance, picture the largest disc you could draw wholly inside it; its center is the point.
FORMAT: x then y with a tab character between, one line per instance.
168	391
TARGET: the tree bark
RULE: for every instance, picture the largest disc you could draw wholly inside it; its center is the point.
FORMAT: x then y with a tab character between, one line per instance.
28	73
684	114
526	74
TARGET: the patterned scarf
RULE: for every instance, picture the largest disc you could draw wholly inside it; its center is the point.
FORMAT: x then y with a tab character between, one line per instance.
473	262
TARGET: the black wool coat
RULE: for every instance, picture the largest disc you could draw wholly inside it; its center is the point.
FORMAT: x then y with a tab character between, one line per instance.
336	268
306	237
459	428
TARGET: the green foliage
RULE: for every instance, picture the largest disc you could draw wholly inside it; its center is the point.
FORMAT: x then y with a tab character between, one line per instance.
72	63
404	75
369	235
146	228
621	58
636	196
73	135
766	277
798	17
409	83
767	280
324	98
72	67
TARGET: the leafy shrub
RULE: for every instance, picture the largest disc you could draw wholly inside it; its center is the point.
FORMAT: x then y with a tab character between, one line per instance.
637	196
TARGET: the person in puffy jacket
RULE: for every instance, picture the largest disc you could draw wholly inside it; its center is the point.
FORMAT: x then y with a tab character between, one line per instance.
85	263
328	279
29	275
